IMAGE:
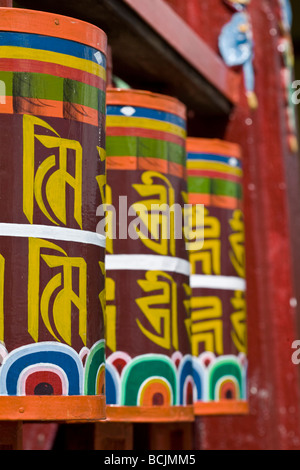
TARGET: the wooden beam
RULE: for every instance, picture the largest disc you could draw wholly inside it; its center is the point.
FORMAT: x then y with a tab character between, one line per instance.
165	21
151	55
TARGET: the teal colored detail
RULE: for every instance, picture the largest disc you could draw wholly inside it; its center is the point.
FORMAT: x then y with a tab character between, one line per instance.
143	368
95	359
222	368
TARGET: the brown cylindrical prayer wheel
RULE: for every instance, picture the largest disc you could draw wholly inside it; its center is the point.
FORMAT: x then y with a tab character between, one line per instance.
149	366
218	304
52	154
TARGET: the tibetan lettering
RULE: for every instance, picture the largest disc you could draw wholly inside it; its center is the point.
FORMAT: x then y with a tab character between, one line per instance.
47	186
160	309
55	313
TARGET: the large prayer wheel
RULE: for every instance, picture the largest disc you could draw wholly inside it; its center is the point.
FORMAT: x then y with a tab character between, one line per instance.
52	109
218	303
149	366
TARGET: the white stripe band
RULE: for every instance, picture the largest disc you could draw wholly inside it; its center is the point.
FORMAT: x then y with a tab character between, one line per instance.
217	282
147	263
52	233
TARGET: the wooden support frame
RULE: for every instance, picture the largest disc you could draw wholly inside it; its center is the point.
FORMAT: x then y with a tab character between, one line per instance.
156	57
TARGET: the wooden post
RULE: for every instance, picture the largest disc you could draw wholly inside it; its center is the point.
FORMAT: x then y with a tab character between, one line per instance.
11	435
171	436
113	436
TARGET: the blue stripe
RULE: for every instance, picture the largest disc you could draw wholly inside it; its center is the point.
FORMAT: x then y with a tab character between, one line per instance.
148	113
48	43
214	158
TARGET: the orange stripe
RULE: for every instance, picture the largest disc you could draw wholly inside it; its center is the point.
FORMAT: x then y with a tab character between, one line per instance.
121	163
52	408
223	407
147	133
48	24
34	66
145	99
215	146
50	108
199	199
148	414
7	107
143	163
225	202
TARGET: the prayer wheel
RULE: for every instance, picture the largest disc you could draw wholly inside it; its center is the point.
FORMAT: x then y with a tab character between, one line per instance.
218	303
149	374
52	277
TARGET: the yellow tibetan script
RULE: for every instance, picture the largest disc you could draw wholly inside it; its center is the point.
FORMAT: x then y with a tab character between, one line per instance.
237	242
238	321
60	286
110	316
47	186
207	324
209	256
155	212
163	320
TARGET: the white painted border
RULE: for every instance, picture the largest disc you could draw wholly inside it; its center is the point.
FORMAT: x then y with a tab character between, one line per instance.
52	233
147	263
217	282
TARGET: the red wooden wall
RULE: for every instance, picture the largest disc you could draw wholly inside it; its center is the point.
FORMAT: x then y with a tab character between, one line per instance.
272	211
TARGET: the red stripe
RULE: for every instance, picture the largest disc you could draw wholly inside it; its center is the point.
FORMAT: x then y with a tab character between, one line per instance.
215	174
35	66
148	133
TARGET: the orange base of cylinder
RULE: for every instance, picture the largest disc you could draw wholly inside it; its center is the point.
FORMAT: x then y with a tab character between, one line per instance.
222	407
150	414
50	408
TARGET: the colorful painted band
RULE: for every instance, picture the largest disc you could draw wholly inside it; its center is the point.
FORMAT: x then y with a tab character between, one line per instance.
48	87
10	52
213	146
145	163
215	187
215	175
146	113
198	157
225	202
196	168
47	95
34	66
52	44
143	123
49	108
145	99
144	133
48	24
144	147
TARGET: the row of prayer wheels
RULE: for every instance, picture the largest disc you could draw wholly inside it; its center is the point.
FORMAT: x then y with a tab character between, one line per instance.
122	270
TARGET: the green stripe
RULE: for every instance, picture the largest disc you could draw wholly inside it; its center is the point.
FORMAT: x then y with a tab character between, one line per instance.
49	87
7	78
122	146
214	186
